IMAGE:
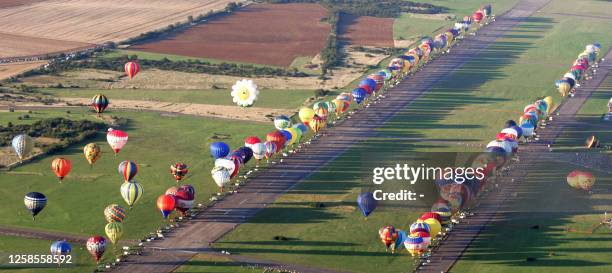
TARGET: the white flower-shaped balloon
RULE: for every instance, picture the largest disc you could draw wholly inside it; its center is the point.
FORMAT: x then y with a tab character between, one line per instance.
244	92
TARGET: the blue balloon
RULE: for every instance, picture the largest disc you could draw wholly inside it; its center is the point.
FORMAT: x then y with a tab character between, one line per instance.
287	136
219	149
519	130
248	153
359	94
369	82
366	202
302	127
401	237
60	248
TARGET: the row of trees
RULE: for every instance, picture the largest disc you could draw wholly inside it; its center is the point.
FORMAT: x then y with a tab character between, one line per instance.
192	66
379	8
331	53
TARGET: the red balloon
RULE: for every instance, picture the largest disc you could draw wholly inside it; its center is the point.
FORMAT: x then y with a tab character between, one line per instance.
367	88
278	138
131	69
428	215
61	167
478	15
96	245
251	140
166	204
184	198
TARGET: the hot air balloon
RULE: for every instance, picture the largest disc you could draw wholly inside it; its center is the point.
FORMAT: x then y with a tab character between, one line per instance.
131	69
60	248
401	236
178	171
586	180
425	236
270	149
219	149
131	192
166	204
96	245
419	226
278	138
573	179
322	113
35	202
259	151
221	176
317	123
306	114
244	93
23	145
92	153
99	102
282	122
434	226
116	139
414	245
428	215
341	106
592	142
61	167
477	16
359	94
388	236
114	213
128	169
172	190
114	231
184	198
226	163
251	141
366	202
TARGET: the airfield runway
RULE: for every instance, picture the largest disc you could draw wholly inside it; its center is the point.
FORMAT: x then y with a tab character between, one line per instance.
262	189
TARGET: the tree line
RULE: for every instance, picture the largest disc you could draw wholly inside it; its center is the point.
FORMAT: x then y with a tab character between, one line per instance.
380	8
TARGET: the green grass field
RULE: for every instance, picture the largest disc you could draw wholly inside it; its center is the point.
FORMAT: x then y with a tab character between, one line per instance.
76	205
9	245
217	264
563	241
409	26
469	107
37	115
282	99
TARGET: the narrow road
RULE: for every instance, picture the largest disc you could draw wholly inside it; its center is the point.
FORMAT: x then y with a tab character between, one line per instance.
488	211
268	185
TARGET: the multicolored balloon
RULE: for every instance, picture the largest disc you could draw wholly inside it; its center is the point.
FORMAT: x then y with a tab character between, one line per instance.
128	170
99	103
60	248
114	213
96	245
316	124
184	198
166	204
131	69
282	122
92	153
131	192
178	171
35	202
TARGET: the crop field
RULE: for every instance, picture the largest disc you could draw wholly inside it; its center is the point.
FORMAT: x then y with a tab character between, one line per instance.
95	22
272	34
11	69
366	30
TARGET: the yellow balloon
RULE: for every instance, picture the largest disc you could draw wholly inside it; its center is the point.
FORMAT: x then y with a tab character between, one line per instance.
293	135
92	153
114	231
549	102
564	89
306	114
434	226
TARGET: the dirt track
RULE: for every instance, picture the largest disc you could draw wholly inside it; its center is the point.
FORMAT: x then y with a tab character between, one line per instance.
266	186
